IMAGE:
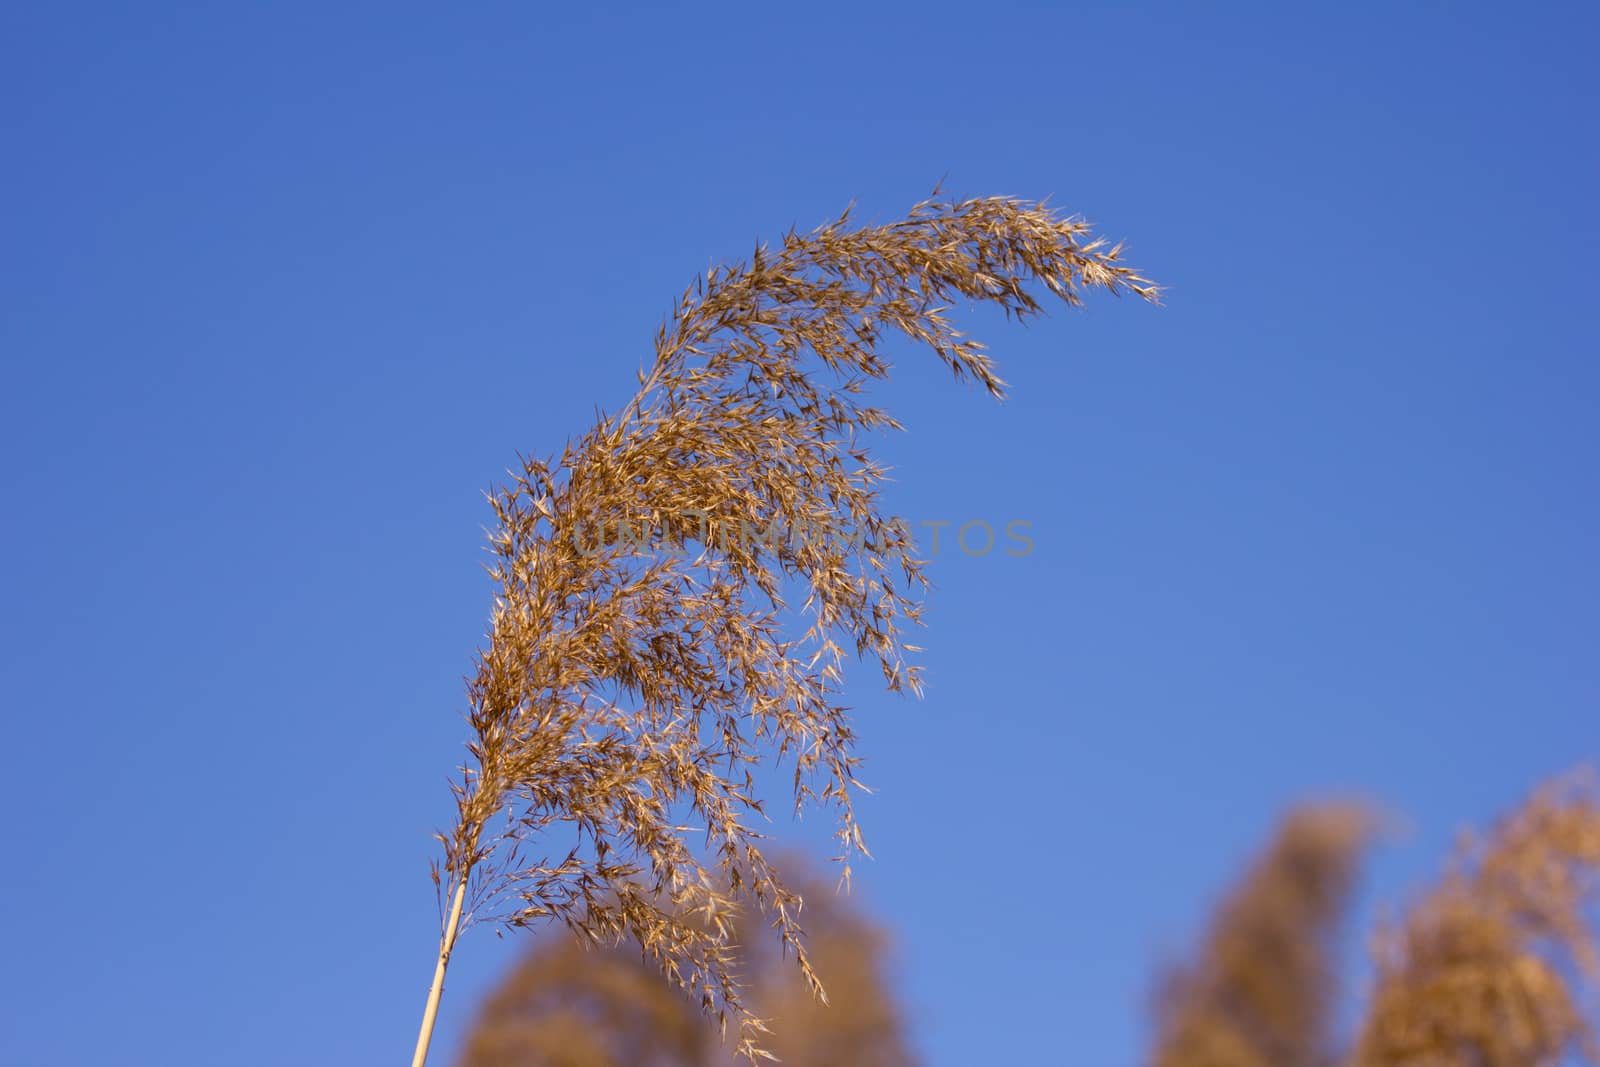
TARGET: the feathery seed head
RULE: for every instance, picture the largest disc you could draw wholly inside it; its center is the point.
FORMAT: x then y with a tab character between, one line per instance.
624	692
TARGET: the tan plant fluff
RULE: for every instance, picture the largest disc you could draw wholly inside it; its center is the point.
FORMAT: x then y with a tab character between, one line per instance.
1482	972
571	1005
860	1024
567	1004
1259	995
630	684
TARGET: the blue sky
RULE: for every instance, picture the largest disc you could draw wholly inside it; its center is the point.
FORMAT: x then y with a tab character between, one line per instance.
285	288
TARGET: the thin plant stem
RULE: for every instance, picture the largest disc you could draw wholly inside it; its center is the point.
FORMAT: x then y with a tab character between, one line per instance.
446	944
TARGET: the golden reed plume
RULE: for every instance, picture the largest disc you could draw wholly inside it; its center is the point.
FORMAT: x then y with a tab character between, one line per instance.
1484	971
1260	993
630	685
1487	970
567	1004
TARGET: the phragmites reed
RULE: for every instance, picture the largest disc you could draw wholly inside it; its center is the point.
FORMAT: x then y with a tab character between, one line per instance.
1484	971
1259	995
568	1004
861	1023
630	684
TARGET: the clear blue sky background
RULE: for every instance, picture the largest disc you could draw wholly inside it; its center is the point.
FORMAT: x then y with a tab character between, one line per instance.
286	288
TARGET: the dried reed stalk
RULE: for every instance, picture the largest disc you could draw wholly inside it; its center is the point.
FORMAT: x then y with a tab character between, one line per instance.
1482	972
1260	993
629	687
